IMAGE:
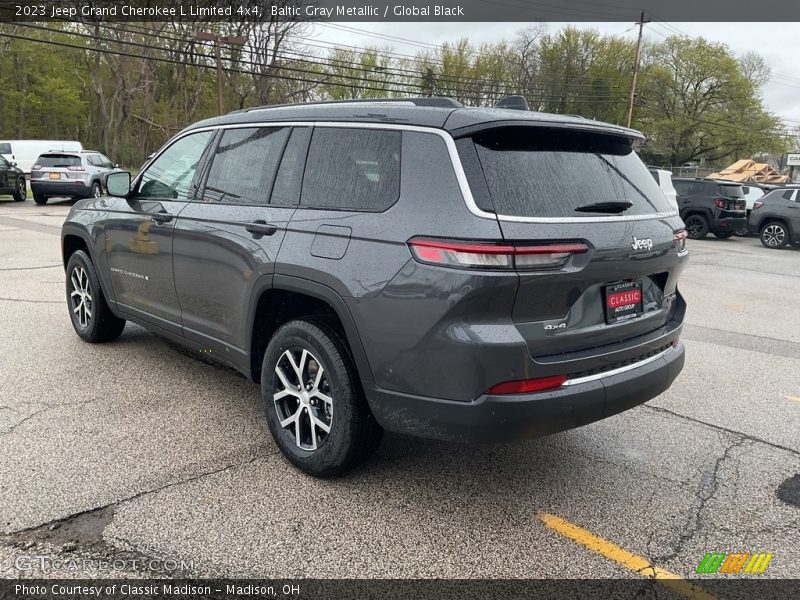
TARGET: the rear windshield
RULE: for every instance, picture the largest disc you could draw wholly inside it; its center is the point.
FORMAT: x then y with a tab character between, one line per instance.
730	191
5	148
58	160
534	172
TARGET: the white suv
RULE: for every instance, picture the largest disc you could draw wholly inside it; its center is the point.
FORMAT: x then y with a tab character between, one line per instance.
664	180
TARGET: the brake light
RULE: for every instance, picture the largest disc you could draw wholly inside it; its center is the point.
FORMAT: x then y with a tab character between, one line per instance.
757	204
487	255
78	168
679	239
721	203
526	386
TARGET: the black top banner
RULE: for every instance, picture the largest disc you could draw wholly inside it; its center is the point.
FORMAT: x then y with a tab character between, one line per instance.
396	10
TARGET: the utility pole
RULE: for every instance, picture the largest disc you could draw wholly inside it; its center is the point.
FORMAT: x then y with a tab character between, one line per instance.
232	40
635	69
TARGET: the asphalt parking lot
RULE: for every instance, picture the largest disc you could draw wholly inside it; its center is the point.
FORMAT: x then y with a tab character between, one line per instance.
136	449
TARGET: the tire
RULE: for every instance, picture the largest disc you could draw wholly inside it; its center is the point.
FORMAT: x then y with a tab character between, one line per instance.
724	236
335	400
97	190
39	198
774	235
696	227
21	192
91	317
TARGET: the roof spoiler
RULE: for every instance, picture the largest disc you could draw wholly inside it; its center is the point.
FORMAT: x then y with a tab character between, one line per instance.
513	103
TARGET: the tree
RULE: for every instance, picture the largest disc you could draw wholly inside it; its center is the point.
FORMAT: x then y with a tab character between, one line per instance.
695	100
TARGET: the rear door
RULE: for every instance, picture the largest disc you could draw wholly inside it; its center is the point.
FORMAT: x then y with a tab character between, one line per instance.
139	232
612	270
229	236
5	178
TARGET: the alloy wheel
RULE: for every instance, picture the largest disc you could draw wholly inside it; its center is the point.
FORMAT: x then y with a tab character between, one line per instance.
694	226
303	398
774	235
96	191
81	296
21	188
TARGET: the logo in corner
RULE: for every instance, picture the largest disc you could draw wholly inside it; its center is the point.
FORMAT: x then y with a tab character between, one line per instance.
734	562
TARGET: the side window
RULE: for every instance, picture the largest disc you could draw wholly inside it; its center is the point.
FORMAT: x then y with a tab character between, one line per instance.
92	159
170	176
243	165
3	162
104	161
787	195
286	191
682	187
355	169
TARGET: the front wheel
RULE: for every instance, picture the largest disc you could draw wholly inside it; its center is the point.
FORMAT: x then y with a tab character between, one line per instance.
313	402
91	317
97	191
696	227
774	235
21	192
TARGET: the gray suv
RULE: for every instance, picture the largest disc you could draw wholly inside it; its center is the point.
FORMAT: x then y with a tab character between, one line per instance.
417	266
71	174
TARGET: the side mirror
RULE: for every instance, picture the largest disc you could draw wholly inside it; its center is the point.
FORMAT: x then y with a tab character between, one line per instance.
119	184
116	165
13	163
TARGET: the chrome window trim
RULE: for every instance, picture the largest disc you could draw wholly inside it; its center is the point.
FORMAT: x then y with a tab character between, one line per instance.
455	161
617	371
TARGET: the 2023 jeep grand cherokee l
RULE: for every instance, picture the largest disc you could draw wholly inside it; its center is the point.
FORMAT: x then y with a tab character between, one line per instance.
418	266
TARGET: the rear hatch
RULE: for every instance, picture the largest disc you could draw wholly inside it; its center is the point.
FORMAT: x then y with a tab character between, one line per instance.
731	200
57	167
559	186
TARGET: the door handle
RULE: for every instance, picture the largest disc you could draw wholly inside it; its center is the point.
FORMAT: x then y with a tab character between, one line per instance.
161	217
260	228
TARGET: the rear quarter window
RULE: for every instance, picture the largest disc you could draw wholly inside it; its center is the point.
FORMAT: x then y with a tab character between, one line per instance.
352	169
535	172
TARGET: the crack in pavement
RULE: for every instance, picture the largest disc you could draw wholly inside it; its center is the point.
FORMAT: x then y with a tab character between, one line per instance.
709	484
735	432
31	268
34	301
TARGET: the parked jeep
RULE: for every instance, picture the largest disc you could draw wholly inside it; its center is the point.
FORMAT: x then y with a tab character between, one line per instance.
711	206
414	266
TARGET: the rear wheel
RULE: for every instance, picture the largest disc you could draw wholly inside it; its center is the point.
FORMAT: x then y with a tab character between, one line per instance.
97	191
774	235
39	198
313	402
696	227
21	192
724	236
91	317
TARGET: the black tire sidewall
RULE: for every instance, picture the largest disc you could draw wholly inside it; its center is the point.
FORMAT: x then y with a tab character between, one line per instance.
16	195
785	235
103	326
332	455
98	187
40	199
704	231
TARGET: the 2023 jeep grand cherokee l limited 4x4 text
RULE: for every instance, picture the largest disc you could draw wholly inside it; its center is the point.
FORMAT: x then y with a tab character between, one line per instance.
419	267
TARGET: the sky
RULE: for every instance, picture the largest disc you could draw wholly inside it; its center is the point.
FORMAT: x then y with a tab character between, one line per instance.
776	42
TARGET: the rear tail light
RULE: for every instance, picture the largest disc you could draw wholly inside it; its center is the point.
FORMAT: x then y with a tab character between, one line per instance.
486	255
526	386
679	239
721	203
36	167
78	168
757	204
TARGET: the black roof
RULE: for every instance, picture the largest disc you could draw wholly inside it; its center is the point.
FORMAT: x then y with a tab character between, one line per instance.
442	113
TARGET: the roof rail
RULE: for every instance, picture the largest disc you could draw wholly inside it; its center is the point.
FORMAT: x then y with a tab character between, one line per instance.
430	101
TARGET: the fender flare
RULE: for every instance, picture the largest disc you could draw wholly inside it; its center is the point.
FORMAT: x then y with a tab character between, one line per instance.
321	292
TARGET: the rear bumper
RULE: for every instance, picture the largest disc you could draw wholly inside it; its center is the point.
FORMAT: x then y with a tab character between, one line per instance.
494	418
728	225
61	188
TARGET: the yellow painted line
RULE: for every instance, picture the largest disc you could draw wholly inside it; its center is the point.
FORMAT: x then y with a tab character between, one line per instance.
622	557
795	398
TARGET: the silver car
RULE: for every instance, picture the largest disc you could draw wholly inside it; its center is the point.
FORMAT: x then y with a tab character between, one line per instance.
71	174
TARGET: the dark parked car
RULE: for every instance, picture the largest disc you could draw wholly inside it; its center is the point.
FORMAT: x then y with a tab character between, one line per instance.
71	174
12	180
711	206
416	266
776	218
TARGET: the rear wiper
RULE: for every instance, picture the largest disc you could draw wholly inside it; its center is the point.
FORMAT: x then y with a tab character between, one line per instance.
614	207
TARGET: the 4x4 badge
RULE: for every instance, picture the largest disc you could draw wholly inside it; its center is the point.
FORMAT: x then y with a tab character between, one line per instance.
642	244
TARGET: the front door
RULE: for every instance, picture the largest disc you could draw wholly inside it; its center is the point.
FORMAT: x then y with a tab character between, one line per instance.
139	233
229	237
